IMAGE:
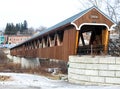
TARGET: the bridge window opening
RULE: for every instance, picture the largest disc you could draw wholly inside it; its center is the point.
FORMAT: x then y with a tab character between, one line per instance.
28	46
48	41
31	45
60	37
44	42
40	43
80	42
35	43
46	45
25	46
90	35
52	42
87	37
56	39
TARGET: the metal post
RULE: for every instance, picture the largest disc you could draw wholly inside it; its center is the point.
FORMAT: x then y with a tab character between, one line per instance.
91	50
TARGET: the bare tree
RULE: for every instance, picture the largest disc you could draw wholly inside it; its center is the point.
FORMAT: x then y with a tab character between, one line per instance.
117	28
41	28
97	3
110	7
30	31
88	3
113	9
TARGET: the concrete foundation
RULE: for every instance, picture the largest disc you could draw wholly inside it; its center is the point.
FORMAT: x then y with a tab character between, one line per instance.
87	70
16	60
10	57
30	63
25	62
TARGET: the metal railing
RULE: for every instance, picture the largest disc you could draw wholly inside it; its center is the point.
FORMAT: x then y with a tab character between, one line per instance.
90	50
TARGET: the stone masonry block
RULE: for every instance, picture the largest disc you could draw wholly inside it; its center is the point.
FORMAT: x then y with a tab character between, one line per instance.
74	59
103	67
78	77
91	72
92	66
83	59
107	60
113	80
117	73
91	60
117	60
76	81
76	71
114	67
107	73
97	79
77	65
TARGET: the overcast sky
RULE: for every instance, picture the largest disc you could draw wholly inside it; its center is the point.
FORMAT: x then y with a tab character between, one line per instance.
36	12
39	12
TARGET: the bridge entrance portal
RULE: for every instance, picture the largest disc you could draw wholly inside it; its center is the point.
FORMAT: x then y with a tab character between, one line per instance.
93	39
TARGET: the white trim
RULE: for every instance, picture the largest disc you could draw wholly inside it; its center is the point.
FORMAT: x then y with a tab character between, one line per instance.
75	25
112	27
96	24
88	11
100	24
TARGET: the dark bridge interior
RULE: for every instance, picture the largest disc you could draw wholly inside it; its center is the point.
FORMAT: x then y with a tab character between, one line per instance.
90	39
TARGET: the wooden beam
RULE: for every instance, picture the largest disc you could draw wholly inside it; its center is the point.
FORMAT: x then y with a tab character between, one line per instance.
81	35
77	41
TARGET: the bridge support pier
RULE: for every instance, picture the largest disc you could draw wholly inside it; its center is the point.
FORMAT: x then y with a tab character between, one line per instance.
25	62
10	57
30	63
16	60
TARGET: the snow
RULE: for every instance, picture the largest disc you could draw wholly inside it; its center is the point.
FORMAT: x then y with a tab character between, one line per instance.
29	81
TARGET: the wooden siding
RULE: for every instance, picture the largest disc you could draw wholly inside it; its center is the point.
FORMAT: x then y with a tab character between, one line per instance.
105	39
93	16
56	52
69	45
61	52
69	42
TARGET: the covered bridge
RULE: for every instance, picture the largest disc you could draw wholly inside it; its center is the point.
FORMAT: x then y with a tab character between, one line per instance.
73	36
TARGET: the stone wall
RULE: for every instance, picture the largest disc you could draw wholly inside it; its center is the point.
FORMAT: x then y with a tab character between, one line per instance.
98	70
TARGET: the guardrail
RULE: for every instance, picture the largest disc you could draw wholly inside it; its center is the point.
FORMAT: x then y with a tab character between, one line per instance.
90	49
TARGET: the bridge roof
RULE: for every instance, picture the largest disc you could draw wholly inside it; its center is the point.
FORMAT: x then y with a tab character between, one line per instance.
68	21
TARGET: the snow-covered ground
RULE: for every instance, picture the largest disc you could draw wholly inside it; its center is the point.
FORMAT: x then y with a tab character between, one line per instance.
29	81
